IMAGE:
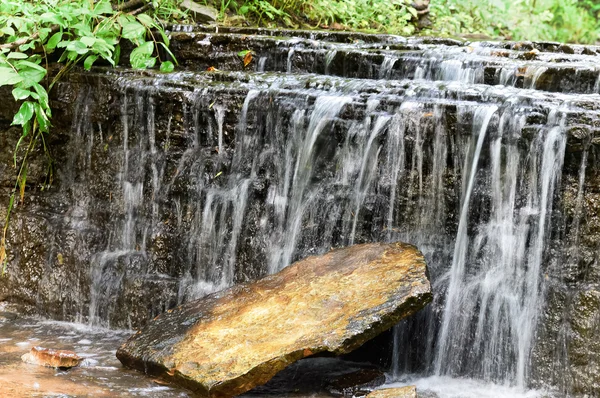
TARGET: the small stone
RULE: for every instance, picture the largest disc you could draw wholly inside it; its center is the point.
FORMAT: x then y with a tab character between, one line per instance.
402	392
420	5
52	358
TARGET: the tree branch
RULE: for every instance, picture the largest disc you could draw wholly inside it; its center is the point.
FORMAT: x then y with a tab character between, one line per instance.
141	9
128	5
24	40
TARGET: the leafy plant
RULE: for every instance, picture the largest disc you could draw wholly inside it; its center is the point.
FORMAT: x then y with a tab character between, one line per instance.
71	32
538	20
549	20
393	16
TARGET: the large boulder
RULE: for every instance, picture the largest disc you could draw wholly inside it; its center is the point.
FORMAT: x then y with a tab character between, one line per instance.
231	341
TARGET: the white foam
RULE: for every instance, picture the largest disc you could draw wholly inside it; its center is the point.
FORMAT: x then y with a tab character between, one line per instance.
448	387
84	342
86	354
149	389
89	362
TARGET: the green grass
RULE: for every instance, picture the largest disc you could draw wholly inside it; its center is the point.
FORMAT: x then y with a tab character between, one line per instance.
569	21
392	16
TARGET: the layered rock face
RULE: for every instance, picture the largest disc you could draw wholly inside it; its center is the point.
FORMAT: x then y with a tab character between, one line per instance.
229	342
484	155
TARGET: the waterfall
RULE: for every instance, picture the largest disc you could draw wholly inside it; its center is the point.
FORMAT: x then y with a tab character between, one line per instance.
310	172
326	108
195	181
457	271
495	286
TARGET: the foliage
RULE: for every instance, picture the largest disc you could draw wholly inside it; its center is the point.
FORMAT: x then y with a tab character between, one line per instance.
541	20
71	32
536	20
393	16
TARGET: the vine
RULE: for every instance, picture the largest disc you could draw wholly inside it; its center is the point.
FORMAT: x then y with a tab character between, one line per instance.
34	33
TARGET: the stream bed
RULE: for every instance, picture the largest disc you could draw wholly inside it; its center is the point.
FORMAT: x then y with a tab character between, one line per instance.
101	374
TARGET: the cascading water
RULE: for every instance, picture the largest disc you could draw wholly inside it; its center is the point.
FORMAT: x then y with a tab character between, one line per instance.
493	285
219	178
489	317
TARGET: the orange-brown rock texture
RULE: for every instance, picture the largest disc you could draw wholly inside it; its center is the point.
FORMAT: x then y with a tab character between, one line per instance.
231	341
52	358
401	392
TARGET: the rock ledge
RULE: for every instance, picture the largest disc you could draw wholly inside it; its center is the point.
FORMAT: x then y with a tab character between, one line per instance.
231	341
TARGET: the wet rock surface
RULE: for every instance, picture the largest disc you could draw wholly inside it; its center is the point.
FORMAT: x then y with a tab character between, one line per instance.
317	377
356	383
234	340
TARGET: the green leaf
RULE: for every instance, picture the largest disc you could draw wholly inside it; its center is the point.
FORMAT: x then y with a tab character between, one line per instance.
28	64
27	46
26	128
43	33
243	53
31	76
89	61
146	20
24	114
42	118
16	55
82	29
150	62
7	30
63	56
132	30
42	96
88	40
78	47
53	41
169	52
117	54
103	7
141	55
20	93
164	37
167	66
8	76
50	17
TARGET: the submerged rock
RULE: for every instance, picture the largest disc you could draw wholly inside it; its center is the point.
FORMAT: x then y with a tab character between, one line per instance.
52	358
402	392
318	376
236	339
357	383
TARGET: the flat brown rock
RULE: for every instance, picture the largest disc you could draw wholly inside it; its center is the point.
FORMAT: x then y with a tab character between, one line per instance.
52	358
231	341
402	392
